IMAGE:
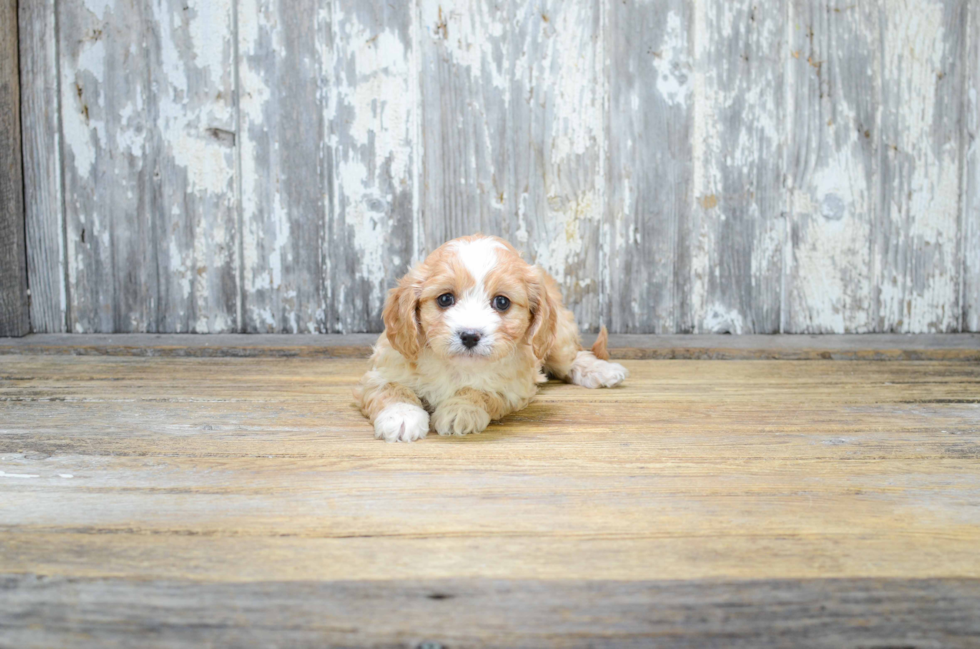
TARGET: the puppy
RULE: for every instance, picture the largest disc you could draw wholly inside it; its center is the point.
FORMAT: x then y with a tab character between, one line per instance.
468	334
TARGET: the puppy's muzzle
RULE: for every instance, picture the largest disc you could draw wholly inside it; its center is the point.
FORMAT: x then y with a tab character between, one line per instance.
470	338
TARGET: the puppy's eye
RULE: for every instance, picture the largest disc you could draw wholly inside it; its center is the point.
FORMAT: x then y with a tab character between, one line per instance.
500	303
446	300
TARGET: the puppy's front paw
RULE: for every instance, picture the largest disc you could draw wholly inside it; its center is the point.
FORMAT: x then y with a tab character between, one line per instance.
459	418
591	372
401	422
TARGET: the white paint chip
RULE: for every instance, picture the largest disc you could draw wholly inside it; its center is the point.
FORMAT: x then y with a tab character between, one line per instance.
673	63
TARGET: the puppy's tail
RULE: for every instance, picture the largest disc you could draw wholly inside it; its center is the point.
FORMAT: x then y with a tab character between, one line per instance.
599	348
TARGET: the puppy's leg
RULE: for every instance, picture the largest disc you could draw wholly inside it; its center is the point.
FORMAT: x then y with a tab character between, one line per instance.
395	410
569	362
591	372
468	411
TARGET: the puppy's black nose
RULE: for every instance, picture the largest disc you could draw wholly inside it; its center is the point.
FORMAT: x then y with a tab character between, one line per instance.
470	338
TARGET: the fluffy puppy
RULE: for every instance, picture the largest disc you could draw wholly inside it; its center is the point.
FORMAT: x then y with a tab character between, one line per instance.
468	335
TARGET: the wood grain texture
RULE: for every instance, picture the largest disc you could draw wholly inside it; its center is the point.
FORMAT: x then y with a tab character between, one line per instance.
14	309
373	113
491	613
971	185
44	213
283	153
832	167
110	232
650	126
261	469
880	347
512	100
147	94
736	266
688	166
190	143
794	501
917	233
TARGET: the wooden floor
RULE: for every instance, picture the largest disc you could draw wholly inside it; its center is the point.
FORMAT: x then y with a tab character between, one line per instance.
227	501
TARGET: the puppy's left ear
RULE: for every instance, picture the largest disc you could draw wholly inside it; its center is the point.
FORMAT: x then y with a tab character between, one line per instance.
401	317
545	302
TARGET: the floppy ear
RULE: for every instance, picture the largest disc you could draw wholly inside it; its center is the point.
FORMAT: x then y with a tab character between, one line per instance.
401	317
544	302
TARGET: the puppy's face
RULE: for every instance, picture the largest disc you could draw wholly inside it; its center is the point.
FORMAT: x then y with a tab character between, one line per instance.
473	299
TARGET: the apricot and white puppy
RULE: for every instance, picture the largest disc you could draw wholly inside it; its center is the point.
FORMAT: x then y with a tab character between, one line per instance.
467	335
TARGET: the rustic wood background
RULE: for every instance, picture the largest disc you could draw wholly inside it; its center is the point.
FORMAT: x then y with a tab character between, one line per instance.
679	166
14	319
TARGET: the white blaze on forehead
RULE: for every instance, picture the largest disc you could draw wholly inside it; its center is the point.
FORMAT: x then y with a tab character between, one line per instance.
478	256
473	311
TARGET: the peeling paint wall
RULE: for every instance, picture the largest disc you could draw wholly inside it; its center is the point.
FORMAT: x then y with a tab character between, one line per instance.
728	166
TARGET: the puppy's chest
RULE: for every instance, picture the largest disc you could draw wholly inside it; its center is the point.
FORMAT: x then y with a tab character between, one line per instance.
437	382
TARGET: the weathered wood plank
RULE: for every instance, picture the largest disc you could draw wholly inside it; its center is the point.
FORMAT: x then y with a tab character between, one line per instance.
147	92
110	232
215	345
833	166
970	250
650	125
43	198
512	98
917	232
201	500
191	127
825	613
285	163
262	470
14	309
373	114
947	347
737	229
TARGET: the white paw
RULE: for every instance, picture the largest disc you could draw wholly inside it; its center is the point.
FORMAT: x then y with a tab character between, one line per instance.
590	372
401	422
460	418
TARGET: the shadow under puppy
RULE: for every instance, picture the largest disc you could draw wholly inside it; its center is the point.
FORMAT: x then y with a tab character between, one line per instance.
468	335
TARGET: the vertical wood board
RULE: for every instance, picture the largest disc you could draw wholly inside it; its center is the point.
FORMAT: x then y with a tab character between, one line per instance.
735	269
191	143
146	98
14	309
43	200
650	125
283	153
970	252
917	233
111	246
513	98
832	167
372	111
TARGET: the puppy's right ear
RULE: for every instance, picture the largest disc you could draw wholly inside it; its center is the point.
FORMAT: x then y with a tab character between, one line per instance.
401	317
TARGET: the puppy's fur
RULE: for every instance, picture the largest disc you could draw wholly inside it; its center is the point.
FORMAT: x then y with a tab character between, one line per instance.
457	367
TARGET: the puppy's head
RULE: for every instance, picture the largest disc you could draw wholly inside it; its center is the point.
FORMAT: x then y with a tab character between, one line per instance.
472	299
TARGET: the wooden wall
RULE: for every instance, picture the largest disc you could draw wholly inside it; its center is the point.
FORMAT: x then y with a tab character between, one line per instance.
14	315
678	165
